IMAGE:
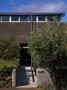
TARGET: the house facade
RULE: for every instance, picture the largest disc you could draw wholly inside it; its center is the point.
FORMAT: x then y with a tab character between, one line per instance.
19	25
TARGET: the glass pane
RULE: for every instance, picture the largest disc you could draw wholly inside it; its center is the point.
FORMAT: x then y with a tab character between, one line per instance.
14	18
5	18
33	18
41	18
49	18
53	18
24	18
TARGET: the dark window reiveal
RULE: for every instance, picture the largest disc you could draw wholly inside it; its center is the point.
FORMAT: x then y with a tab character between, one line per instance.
24	18
49	18
5	18
33	18
14	18
53	18
41	18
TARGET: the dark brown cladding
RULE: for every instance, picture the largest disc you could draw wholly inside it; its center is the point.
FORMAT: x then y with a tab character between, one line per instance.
30	13
20	30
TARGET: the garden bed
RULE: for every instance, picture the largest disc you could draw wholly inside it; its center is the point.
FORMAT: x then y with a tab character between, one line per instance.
6	67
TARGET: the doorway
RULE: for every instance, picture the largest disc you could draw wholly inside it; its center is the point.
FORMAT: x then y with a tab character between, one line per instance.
25	57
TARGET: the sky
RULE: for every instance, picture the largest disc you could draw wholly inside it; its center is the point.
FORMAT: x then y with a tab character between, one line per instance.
34	6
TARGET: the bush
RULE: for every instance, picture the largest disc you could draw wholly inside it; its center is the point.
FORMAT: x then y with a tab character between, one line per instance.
48	44
48	49
9	49
9	53
7	66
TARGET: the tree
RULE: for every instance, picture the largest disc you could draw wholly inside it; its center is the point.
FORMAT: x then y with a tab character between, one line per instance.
48	49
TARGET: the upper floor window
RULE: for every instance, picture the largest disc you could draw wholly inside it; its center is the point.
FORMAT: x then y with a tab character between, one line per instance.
14	18
34	18
5	18
53	18
27	18
24	18
50	18
41	18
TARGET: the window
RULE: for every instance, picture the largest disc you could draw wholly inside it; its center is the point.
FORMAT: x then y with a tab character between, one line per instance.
53	18
14	18
24	18
5	18
50	18
34	18
58	17
41	18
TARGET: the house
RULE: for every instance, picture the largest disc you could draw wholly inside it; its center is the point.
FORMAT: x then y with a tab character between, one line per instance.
19	25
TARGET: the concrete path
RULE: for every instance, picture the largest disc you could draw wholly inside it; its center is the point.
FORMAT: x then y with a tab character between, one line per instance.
24	78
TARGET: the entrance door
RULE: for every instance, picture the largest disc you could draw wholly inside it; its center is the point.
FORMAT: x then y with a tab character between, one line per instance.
25	58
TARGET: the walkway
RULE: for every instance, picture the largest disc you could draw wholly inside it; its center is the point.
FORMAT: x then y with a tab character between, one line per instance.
24	78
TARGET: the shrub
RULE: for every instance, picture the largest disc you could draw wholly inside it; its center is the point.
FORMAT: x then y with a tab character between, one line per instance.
9	53
48	44
7	66
9	49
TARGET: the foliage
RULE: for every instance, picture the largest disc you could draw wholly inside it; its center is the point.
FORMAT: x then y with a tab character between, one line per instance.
9	53
48	48
48	44
9	49
7	65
